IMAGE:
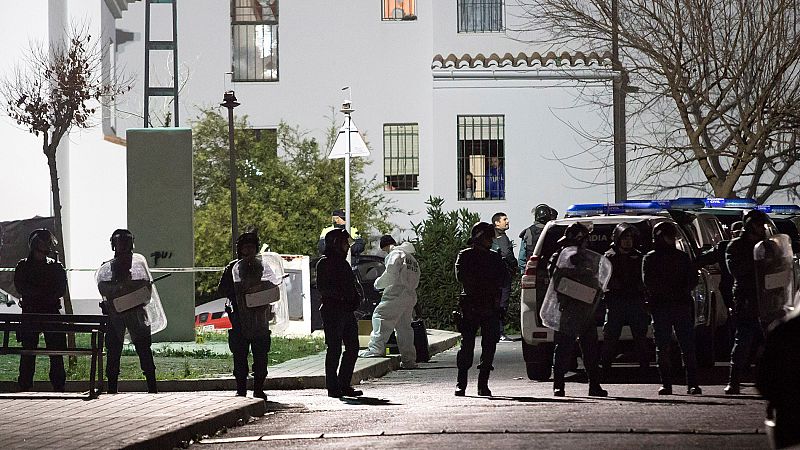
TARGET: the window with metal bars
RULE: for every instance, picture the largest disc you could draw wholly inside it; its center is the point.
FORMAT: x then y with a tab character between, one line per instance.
401	156
254	33
480	16
481	158
399	10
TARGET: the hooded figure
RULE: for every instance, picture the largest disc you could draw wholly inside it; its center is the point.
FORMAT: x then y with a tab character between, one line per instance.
394	313
41	282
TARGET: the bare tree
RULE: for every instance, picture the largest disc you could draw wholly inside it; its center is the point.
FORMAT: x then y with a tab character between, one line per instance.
55	89
718	105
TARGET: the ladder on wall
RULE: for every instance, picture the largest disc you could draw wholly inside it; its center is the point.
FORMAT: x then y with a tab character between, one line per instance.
149	46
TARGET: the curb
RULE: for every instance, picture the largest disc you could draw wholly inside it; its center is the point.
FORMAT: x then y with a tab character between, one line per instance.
365	369
186	431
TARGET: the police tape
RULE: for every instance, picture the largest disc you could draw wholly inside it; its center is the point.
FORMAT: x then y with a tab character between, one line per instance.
152	269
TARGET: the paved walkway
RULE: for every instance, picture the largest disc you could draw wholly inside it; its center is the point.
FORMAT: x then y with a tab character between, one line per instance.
183	410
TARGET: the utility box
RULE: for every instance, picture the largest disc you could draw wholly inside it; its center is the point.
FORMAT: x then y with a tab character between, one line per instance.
160	215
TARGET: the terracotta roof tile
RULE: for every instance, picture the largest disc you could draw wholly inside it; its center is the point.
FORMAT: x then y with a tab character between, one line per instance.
535	59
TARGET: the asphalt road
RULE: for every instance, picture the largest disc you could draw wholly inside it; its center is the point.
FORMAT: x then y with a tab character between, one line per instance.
417	409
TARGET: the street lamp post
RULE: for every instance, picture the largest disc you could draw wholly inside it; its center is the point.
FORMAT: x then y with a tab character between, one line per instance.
229	101
618	101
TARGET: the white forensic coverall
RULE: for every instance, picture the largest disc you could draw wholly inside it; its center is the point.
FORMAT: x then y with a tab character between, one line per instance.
394	313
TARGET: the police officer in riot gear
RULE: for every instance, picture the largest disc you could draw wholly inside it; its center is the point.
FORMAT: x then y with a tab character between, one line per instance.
625	298
584	329
340	299
41	282
669	277
249	325
135	320
482	274
741	264
530	236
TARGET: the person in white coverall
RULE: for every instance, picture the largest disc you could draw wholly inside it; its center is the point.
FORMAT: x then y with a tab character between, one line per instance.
394	313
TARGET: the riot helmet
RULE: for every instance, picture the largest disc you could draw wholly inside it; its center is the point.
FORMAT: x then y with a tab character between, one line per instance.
249	237
542	213
41	235
575	234
479	231
335	240
121	239
755	222
664	231
736	228
553	214
623	230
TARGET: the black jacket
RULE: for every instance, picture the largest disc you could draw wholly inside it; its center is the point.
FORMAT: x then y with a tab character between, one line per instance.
669	276
739	258
502	244
482	275
41	285
626	273
336	283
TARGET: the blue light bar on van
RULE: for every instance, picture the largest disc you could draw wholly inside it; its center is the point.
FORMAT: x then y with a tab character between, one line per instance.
597	209
687	203
780	209
745	203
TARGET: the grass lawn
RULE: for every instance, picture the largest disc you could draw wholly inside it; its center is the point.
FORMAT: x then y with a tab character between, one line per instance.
204	360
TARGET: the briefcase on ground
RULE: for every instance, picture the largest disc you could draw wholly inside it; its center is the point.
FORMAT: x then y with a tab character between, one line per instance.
421	340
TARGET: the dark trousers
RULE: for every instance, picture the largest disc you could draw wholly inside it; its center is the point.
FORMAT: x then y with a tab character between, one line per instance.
240	347
625	311
340	328
135	321
27	363
505	294
489	324
564	347
749	333
679	318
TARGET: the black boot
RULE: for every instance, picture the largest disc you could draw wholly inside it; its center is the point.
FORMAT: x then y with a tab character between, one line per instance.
595	390
112	385
151	383
733	382
461	383
483	383
258	389
241	387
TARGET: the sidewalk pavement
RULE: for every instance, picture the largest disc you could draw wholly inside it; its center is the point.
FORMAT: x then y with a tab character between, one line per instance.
184	409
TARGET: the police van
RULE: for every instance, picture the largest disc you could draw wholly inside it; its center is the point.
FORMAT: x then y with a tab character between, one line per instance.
696	231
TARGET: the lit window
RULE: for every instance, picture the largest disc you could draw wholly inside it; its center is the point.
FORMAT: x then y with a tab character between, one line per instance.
480	16
481	158
254	29
399	10
401	156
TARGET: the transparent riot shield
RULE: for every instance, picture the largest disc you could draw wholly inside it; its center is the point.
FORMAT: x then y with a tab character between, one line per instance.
263	287
774	276
579	279
142	296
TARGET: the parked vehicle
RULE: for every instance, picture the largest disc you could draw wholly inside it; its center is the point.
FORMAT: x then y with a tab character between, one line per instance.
696	231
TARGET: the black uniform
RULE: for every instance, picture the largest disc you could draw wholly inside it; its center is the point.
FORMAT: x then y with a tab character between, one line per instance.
581	321
625	302
41	285
749	330
778	380
528	239
249	330
134	319
482	274
339	298
669	277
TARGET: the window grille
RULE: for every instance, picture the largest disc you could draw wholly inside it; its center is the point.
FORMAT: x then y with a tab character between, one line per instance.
401	156
254	31
399	10
480	16
481	158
